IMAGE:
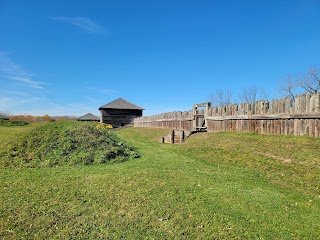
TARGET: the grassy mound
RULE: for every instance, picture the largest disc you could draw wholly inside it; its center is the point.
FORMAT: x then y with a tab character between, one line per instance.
65	143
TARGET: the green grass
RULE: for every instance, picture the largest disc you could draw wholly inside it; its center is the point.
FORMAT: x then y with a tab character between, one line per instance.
214	186
7	133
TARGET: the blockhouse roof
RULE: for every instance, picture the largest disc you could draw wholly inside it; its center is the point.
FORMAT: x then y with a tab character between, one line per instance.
120	103
4	117
88	117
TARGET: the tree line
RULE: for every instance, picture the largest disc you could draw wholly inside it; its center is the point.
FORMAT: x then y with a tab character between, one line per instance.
34	119
290	87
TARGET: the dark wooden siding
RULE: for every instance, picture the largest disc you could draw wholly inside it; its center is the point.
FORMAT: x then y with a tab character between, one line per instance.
120	117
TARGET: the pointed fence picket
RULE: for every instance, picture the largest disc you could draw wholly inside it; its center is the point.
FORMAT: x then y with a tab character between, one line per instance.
279	116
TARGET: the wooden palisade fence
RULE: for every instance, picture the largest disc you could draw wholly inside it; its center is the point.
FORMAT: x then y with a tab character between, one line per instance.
281	116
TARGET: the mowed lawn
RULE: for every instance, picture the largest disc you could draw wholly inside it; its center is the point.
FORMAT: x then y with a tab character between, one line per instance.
214	186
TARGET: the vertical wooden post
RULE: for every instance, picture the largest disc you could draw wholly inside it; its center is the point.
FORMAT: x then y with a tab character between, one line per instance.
172	137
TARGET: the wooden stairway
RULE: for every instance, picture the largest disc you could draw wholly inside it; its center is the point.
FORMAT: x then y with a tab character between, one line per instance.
176	137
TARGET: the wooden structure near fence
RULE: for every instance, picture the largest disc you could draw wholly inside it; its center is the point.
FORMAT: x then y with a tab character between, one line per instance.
119	113
89	117
176	136
280	116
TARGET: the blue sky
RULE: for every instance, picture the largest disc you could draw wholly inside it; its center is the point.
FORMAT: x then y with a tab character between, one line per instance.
71	57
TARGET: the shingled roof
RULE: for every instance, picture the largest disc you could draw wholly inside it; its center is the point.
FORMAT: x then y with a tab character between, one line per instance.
4	117
120	103
88	117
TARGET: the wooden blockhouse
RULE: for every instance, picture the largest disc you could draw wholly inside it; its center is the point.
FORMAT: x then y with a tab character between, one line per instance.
89	117
119	113
2	117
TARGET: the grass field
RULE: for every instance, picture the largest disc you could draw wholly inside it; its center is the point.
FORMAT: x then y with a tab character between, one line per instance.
214	186
6	133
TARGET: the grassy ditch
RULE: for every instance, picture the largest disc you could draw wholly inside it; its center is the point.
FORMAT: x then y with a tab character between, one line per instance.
214	186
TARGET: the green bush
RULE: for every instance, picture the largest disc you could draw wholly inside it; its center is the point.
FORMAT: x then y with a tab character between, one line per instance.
65	143
12	123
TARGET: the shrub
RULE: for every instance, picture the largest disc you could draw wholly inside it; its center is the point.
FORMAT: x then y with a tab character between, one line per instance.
11	123
65	143
32	119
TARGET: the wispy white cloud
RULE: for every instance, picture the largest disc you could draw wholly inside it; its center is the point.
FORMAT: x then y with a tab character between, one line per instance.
11	70
35	106
96	90
106	91
94	100
8	67
7	103
4	92
83	23
33	84
30	100
72	109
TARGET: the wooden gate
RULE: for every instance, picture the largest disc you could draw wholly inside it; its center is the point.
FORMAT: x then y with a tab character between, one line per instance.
200	113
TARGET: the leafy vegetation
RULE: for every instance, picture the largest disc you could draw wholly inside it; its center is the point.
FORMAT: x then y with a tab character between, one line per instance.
32	119
214	186
65	143
13	123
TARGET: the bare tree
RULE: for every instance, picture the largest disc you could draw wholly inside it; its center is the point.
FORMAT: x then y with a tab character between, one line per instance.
289	85
5	114
264	94
311	82
221	98
253	93
249	94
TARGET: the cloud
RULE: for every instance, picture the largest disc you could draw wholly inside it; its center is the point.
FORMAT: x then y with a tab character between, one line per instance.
30	100
72	109
94	100
33	84
96	90
7	103
7	65
83	23
106	91
4	92
17	105
11	70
